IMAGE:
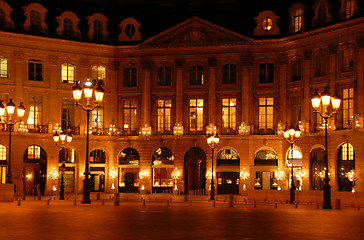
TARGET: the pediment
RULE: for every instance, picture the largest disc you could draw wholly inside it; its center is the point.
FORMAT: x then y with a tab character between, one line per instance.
195	32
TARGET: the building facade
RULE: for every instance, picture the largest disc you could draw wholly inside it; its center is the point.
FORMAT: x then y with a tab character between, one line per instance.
192	78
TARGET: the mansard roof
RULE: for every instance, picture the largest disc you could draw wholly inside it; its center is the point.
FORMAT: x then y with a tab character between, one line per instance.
195	32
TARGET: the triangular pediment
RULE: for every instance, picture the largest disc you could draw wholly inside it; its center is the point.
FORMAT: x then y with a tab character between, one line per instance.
195	32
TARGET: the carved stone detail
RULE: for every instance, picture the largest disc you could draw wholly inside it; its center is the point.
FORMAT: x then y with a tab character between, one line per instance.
307	54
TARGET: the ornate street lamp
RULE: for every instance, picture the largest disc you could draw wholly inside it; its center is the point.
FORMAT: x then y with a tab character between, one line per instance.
99	95
10	121
62	140
212	141
325	99
175	176
292	135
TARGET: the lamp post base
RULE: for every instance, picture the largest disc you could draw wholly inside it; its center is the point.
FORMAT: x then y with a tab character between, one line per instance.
292	198
327	195
86	191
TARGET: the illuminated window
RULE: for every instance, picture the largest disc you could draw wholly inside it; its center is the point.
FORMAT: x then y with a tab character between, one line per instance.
267	23
3	153
35	112
162	177
345	163
130	77
294	155
318	156
297	20
3	67
97	119
229	74
130	117
67	155
35	22
348	106
228	157
196	75
68	73
296	70
98	74
97	156
349	8
228	114
348	59
129	156
33	152
97	30
164	116
266	157
164	76
2	174
67	119
196	115
266	73
320	65
266	113
35	70
68	28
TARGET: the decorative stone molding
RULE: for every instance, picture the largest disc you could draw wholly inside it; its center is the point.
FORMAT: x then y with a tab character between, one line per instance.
333	48
91	20
146	64
283	60
129	30
9	24
180	62
247	60
321	10
42	12
307	54
292	11
75	20
266	24
212	62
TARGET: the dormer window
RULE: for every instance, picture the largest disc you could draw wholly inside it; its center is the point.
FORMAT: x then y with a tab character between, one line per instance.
266	24
349	8
130	30
5	21
97	27
35	15
97	30
68	22
322	13
296	12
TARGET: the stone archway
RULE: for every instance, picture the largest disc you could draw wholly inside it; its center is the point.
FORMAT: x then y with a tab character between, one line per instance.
195	169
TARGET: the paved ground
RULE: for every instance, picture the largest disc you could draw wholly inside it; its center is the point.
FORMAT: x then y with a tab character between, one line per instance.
156	220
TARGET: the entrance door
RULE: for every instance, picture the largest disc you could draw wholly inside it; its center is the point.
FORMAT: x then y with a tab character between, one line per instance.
227	183
266	180
195	169
129	183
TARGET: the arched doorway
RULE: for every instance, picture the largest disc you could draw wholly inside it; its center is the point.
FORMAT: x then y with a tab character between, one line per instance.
227	170
318	157
34	170
97	170
195	169
345	163
163	166
129	170
68	156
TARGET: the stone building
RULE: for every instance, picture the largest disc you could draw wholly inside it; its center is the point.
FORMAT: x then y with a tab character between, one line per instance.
194	77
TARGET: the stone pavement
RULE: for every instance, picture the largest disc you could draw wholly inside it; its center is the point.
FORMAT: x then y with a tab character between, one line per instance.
159	219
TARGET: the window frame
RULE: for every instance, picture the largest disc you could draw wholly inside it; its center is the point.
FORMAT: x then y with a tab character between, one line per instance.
70	73
37	70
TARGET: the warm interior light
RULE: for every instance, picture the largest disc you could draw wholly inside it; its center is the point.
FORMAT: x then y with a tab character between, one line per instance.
77	92
316	100
63	136
335	101
10	107
2	109
21	110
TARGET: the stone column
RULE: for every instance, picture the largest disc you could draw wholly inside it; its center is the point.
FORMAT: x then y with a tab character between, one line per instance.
212	90
306	101
147	92
247	63
360	79
283	61
179	90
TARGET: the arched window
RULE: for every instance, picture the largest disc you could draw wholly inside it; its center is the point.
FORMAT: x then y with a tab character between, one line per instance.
228	157
97	30
129	156
162	156
266	157
345	163
35	22
68	155
318	157
294	155
68	28
97	156
298	20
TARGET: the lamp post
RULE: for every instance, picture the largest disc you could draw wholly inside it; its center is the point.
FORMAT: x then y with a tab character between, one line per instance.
10	109
212	140
99	95
292	135
335	100
62	140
